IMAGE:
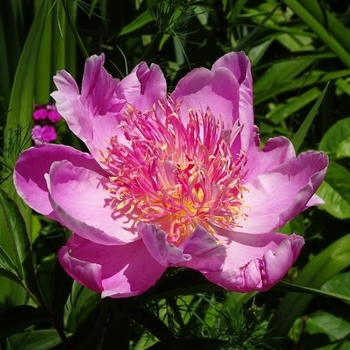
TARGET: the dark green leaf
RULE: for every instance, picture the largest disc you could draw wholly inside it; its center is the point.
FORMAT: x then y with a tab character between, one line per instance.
18	318
317	272
20	242
299	136
324	322
335	136
338	284
154	325
190	344
7	267
335	191
317	18
284	110
182	283
289	287
21	101
38	339
62	288
343	149
137	23
6	263
343	342
17	231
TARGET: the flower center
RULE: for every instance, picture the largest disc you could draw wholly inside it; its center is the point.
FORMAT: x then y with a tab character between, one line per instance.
175	172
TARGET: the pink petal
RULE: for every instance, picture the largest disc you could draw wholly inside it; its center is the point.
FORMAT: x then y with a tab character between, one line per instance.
201	251
81	200
279	195
256	262
239	65
144	86
99	87
34	163
93	115
208	254
157	245
201	89
314	201
112	270
276	151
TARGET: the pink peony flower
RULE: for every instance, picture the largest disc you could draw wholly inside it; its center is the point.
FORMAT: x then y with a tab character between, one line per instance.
169	181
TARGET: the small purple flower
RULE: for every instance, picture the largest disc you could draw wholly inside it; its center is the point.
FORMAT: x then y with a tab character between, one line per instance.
40	114
53	115
46	133
37	132
46	111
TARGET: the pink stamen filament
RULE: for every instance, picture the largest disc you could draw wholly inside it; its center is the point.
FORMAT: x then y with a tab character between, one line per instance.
176	174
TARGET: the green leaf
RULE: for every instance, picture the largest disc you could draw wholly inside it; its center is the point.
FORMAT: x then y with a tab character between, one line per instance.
280	73
323	322
137	23
7	266
284	110
299	136
318	19
70	20
18	233
62	286
289	287
338	284
343	149
20	243
203	344
80	305
21	102
335	135
342	345
154	325
38	339
297	225
18	318
334	27
343	85
308	79
317	272
335	191
343	342
182	283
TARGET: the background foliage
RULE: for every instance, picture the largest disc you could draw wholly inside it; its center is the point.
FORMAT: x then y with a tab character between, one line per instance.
300	54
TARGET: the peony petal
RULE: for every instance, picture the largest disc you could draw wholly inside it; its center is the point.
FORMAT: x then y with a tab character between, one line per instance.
84	272
112	270
81	200
314	201
157	245
277	150
93	115
274	198
239	65
208	254
201	89
256	262
35	162
200	251
144	86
